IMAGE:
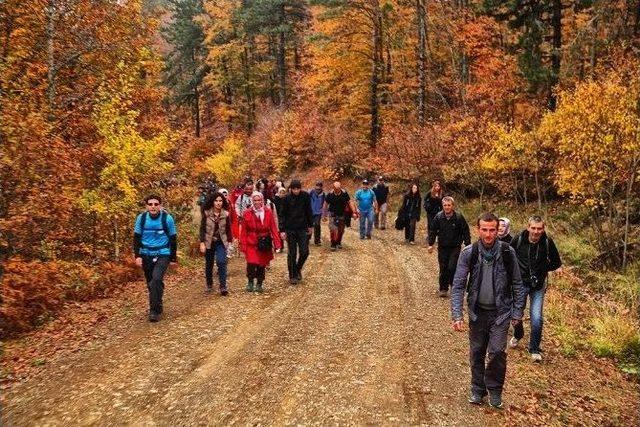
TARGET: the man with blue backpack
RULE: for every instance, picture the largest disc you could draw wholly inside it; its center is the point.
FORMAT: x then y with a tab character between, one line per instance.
155	247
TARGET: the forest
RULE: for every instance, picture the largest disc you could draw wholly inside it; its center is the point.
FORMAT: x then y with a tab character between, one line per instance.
523	103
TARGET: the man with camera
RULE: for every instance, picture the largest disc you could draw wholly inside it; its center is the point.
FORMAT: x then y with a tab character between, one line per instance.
537	256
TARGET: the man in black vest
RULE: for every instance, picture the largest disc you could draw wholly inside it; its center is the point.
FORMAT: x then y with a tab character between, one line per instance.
296	226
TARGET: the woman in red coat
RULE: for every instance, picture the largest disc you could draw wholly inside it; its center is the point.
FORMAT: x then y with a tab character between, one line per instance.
258	222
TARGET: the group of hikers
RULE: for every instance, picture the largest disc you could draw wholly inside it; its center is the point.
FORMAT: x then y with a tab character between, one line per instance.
497	272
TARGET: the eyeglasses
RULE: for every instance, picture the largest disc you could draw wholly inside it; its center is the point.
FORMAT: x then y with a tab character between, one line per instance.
153	204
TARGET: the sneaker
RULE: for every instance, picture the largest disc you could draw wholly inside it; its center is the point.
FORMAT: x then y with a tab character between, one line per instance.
259	288
361	237
224	292
383	228
536	357
250	286
339	246
333	248
369	237
318	243
153	317
299	276
442	294
513	343
495	400
476	398
412	242
208	289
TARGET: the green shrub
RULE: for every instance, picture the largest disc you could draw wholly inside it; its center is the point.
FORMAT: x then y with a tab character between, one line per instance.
615	336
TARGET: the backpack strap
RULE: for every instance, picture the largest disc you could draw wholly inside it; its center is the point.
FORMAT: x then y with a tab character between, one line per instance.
508	262
165	228
473	261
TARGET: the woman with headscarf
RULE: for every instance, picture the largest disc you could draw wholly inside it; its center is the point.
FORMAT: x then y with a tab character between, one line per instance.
259	236
504	228
215	237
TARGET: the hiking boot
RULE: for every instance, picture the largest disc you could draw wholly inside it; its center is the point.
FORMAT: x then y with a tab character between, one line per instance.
293	280
495	399
383	228
442	294
208	289
259	288
299	276
513	342
333	248
361	237
369	237
536	357
476	398
154	317
250	286
339	246
224	292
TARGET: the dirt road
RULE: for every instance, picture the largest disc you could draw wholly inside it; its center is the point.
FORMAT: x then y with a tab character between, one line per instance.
363	340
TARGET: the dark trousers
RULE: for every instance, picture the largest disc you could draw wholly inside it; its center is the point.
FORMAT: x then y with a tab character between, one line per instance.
255	272
317	220
217	254
487	355
410	231
154	269
448	260
336	229
298	251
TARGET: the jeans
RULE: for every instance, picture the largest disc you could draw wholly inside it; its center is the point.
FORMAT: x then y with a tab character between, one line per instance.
366	223
298	251
154	269
536	297
217	253
317	220
448	260
487	338
410	231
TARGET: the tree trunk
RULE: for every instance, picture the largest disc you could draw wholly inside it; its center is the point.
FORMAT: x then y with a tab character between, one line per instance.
376	67
538	190
282	66
116	240
196	109
422	60
50	12
556	24
625	241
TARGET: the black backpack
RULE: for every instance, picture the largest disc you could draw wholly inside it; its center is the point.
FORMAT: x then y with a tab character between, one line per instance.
165	227
507	259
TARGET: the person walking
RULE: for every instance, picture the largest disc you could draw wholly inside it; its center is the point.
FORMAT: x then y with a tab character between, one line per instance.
296	225
244	201
258	238
433	201
336	211
537	256
366	208
381	190
215	238
451	230
317	202
155	247
410	210
504	230
495	299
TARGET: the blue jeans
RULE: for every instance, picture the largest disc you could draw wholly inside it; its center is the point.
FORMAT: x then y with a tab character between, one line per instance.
218	252
366	223
536	297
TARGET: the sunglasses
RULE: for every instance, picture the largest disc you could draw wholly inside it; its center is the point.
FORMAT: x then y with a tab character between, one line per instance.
153	204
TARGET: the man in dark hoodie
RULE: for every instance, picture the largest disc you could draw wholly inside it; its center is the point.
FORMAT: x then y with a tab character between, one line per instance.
488	273
537	256
296	226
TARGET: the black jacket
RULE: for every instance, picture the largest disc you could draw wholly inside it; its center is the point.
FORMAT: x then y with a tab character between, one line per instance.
432	205
451	232
410	207
296	212
382	193
536	260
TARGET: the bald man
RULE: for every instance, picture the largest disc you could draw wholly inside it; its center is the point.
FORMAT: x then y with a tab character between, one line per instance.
335	204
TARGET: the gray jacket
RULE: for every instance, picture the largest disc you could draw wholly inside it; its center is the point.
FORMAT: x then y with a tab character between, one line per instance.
509	303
